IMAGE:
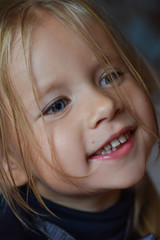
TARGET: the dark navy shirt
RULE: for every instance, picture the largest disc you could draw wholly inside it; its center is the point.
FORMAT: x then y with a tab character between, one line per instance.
114	223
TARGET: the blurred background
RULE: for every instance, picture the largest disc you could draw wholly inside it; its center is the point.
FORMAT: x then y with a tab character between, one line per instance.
139	21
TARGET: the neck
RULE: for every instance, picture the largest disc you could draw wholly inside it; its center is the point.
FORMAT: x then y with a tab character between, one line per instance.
95	202
92	202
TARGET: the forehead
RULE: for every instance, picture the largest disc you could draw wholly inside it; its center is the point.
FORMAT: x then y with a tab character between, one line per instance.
49	31
52	45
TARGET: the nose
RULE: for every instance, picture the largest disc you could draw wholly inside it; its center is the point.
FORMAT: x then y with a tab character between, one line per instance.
103	108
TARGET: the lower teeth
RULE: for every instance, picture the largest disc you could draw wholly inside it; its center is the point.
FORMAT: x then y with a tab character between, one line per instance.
113	149
109	151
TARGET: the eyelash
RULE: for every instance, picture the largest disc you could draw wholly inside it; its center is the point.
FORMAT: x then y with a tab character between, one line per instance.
55	106
111	77
58	105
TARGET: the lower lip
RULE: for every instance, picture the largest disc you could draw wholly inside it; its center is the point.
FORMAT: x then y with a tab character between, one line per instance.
124	149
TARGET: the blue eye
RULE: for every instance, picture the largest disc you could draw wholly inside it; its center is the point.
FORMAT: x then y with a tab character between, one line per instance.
109	78
56	106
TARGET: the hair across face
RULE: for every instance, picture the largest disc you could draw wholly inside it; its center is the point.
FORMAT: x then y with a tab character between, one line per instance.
73	98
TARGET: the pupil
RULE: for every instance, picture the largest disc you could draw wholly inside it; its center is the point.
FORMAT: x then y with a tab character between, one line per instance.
107	79
59	106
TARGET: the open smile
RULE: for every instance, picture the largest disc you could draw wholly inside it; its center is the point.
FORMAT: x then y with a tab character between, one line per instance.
117	147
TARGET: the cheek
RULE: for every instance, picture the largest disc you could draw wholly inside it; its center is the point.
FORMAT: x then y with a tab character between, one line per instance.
65	144
146	113
142	106
70	149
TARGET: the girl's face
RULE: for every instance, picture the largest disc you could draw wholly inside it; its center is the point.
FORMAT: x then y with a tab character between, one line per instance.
98	143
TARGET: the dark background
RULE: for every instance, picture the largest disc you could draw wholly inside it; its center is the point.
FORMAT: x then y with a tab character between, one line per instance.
139	20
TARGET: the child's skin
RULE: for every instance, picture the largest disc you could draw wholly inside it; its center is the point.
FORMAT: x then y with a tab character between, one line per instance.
90	114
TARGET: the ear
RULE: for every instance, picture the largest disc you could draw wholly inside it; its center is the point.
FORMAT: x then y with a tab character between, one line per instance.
18	173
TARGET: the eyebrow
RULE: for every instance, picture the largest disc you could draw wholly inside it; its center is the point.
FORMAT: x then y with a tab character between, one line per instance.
41	91
55	82
51	85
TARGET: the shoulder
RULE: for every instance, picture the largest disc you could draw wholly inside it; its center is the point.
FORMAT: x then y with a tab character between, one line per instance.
149	237
10	227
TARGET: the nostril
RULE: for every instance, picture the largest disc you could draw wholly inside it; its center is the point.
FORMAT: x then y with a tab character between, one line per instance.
100	121
104	109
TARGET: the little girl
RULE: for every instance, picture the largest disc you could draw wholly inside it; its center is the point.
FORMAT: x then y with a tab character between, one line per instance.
77	126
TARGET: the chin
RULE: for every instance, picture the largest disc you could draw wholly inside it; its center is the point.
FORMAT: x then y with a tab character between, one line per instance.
131	181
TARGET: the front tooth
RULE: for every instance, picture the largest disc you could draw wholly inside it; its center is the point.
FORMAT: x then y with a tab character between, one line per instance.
114	149
107	147
103	152
109	151
127	135
115	143
122	139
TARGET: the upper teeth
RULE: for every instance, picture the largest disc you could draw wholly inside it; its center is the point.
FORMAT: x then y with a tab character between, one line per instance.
115	143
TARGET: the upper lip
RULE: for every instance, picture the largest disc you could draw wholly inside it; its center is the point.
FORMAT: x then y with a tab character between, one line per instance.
114	136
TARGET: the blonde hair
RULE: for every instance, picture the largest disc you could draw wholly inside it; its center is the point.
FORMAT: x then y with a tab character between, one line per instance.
23	14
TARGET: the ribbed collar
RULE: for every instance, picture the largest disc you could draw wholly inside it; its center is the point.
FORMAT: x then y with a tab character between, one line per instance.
114	223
